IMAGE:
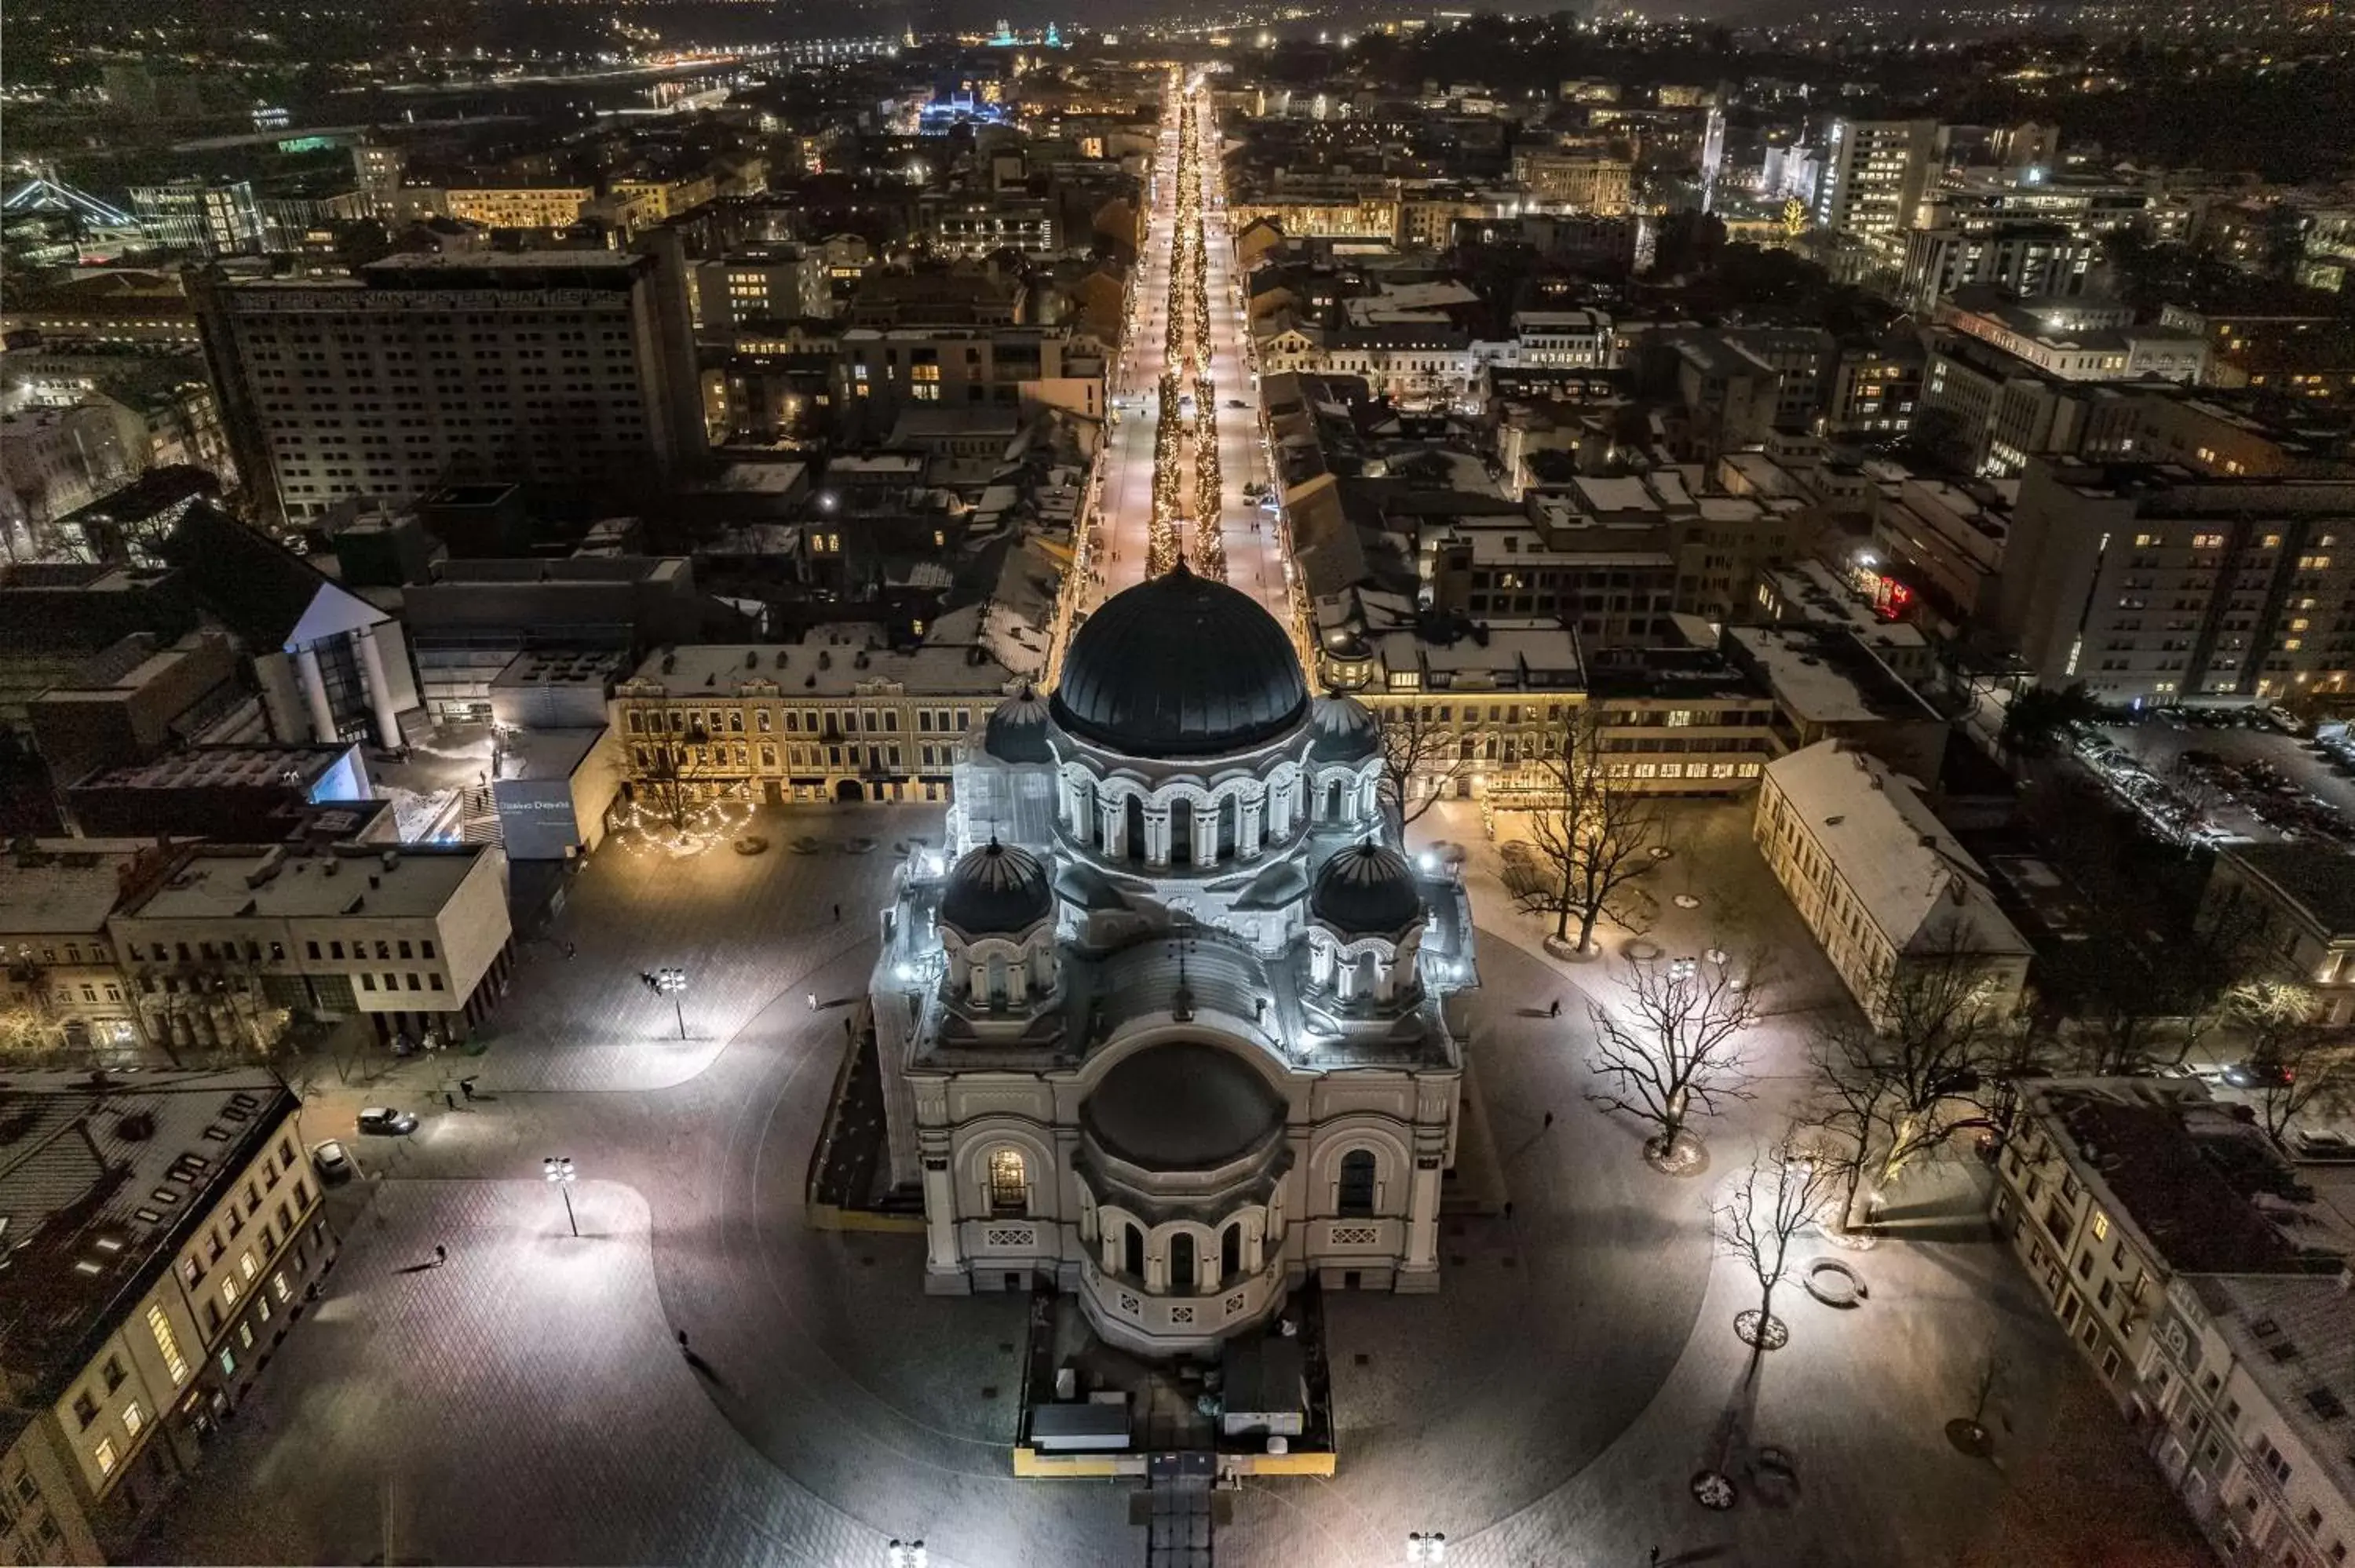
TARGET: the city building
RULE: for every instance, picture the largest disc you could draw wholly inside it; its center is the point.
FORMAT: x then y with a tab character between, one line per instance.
2149	583
1582	181
2300	900
1166	1023
228	939
2161	1229
1874	174
1881	883
1829	683
573	370
164	1234
880	372
835	718
62	983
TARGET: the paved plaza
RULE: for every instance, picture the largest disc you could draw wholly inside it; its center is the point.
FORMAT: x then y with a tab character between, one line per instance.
528	1401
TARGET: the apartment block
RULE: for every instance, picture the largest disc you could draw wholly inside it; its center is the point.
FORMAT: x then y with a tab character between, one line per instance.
2150	1219
571	369
2148	582
1874	173
165	1233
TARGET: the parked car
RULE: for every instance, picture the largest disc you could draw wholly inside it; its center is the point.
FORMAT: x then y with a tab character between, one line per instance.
2325	1145
2258	1076
1234	402
387	1122
334	1164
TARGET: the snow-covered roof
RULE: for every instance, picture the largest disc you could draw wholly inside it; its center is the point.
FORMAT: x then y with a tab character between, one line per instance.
1912	878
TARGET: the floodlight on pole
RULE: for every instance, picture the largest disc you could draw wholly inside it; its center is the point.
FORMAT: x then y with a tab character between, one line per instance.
906	1555
560	1173
672	983
1426	1546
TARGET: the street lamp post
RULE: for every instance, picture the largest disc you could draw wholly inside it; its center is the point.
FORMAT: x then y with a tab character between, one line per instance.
559	1171
1426	1546
906	1555
671	983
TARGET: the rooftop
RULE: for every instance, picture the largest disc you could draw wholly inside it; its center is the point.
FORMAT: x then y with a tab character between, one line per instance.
100	1182
2321	882
1912	877
817	668
231	882
1826	676
64	886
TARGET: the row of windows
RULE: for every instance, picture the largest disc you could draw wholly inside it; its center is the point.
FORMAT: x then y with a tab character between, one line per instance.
212	952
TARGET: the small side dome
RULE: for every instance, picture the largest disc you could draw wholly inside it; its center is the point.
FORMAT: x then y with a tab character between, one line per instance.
1017	729
1366	890
996	890
1343	729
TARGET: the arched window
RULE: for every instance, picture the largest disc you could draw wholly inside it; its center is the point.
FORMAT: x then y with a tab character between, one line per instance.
1133	830
1355	1198
1231	1252
1182	1272
1333	802
1181	833
1010	1183
1132	1253
1229	827
998	993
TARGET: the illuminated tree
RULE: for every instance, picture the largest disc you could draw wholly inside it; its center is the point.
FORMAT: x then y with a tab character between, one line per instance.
1772	1202
1670	1046
1591	838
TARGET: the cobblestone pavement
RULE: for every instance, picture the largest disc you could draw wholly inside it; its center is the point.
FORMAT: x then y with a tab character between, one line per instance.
528	1404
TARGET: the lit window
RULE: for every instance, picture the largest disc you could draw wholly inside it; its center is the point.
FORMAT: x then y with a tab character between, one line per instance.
1010	1183
133	1419
104	1454
247	1266
2101	1225
167	1344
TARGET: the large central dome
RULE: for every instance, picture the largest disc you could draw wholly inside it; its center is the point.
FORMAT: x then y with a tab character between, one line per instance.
1180	666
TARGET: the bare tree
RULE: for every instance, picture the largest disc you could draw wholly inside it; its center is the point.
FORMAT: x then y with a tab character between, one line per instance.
1415	745
666	774
1672	1048
1770	1203
1940	1062
1591	838
2293	1064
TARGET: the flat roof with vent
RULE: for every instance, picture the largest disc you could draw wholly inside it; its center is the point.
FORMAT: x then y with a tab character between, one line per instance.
2313	1386
100	1183
226	882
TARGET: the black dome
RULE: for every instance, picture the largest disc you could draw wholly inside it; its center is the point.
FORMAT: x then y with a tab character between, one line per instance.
1367	890
1017	729
998	889
1180	666
1344	730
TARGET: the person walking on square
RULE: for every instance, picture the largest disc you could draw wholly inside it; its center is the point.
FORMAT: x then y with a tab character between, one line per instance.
1549	1118
441	1255
1555	1010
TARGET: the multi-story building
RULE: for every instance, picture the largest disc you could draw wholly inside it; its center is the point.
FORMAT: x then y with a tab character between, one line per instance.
1581	180
517	207
1880	882
974	227
1991	412
880	372
2287	347
2300	900
2149	1217
1874	172
1356	216
1680	721
413	938
571	369
773	284
2149	583
2028	256
1829	683
2039	338
836	720
1938	552
58	967
1581	339
164	1233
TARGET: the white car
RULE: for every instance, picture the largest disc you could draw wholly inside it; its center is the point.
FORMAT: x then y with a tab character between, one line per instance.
334	1164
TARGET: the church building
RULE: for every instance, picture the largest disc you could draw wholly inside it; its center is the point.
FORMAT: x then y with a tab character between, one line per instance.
1166	1020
